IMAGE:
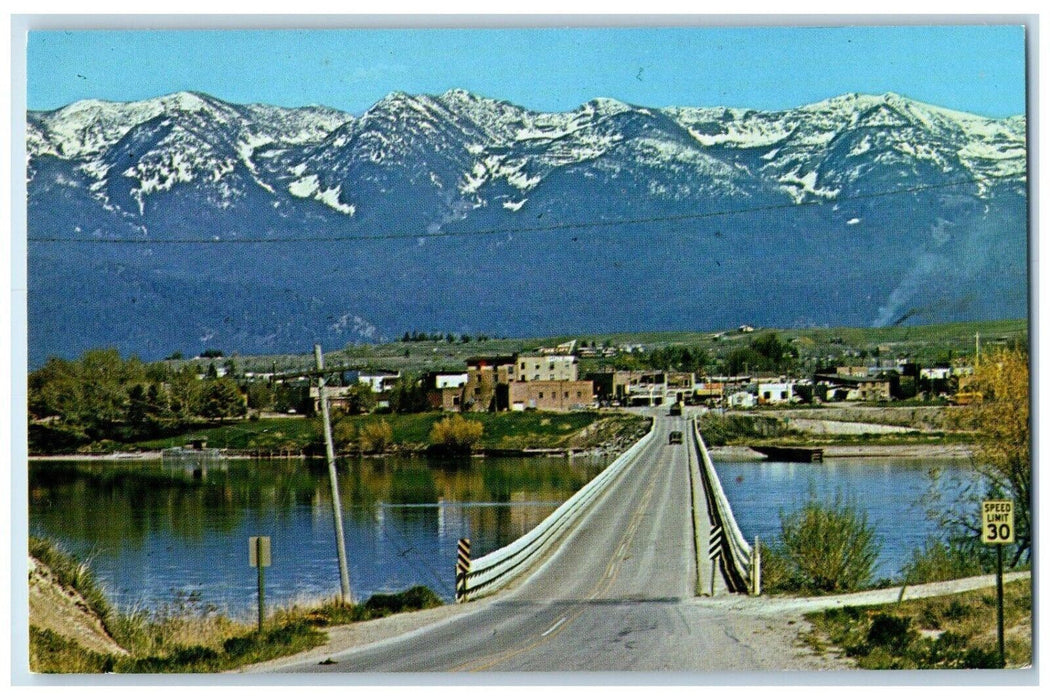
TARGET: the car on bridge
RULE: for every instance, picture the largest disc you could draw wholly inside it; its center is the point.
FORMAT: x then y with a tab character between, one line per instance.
675	438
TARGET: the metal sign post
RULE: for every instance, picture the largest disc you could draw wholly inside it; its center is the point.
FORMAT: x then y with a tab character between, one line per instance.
259	557
997	529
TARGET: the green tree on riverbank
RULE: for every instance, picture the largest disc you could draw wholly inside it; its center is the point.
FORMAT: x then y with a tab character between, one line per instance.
103	397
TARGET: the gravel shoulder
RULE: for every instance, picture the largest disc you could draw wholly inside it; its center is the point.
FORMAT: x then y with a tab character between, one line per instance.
769	626
361	634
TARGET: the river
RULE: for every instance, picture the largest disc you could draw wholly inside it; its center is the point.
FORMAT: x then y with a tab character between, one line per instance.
168	541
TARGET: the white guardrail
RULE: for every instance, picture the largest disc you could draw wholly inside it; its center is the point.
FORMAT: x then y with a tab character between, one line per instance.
500	566
738	563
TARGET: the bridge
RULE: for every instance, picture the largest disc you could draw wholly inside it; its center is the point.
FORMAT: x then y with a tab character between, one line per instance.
610	581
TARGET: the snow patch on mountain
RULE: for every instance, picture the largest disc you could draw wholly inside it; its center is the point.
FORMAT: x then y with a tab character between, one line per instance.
309	187
353	324
798	186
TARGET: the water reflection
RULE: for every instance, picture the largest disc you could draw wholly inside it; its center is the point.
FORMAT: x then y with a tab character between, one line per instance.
154	535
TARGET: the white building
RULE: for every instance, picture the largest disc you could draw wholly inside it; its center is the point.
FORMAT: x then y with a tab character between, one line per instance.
378	380
775	392
449	380
742	399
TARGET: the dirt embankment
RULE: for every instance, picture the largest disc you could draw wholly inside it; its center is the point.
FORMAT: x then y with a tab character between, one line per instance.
62	610
611	435
923	418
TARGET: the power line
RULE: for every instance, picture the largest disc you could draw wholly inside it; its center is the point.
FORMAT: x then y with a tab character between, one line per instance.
393	235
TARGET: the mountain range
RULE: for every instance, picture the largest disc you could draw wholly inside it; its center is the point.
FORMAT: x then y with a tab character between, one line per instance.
186	222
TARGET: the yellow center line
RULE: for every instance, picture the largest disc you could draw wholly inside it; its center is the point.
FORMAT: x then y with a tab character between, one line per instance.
612	571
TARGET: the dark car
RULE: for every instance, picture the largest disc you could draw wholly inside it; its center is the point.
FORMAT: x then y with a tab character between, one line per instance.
675	438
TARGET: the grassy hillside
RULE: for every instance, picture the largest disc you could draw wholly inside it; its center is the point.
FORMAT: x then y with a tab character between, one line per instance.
924	344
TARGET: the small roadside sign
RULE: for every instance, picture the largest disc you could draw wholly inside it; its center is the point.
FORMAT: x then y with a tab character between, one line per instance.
258	548
997	529
997	522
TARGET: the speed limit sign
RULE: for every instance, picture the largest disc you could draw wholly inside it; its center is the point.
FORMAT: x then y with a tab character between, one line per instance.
997	522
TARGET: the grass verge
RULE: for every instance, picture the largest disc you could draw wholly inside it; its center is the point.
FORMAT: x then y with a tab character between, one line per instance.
949	632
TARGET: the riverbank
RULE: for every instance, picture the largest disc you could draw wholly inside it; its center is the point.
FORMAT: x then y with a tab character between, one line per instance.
155	455
502	434
728	453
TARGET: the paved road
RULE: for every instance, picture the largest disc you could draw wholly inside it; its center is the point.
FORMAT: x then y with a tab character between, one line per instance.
619	593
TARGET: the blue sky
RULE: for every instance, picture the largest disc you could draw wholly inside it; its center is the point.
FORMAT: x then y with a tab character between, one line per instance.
973	68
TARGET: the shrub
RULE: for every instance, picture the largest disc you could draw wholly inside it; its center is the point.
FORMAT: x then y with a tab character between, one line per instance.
942	561
829	549
52	653
344	435
375	436
456	434
777	572
415	598
892	631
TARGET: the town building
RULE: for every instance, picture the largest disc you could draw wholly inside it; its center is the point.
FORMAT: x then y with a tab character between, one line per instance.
379	380
842	388
547	395
339	397
446	380
485	376
548	368
708	392
773	393
742	399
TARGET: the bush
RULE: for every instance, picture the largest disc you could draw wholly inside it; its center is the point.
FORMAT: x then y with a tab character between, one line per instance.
777	572
376	436
891	631
828	549
344	435
415	598
942	561
456	435
51	653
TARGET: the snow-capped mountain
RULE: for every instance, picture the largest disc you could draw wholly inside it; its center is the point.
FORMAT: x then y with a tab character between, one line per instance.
263	228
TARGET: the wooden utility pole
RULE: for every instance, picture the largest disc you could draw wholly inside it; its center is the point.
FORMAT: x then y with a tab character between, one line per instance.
337	508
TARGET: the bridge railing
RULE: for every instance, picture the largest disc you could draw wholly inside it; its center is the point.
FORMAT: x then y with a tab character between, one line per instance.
737	554
498	567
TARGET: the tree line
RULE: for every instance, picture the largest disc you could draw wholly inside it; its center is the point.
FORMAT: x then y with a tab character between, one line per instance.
101	396
764	353
423	337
